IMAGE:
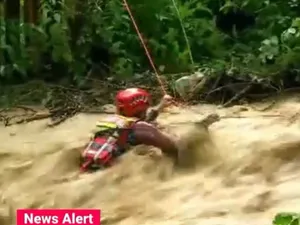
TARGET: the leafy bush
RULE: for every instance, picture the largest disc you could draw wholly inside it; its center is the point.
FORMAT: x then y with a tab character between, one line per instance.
252	37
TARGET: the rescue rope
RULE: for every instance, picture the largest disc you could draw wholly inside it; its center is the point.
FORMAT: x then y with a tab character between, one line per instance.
145	47
184	33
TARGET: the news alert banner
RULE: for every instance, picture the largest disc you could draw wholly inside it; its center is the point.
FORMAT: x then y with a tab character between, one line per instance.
58	217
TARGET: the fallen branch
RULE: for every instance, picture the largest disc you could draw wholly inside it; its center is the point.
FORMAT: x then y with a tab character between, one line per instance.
294	117
32	118
62	116
57	122
237	96
223	87
4	119
98	112
238	117
26	108
268	107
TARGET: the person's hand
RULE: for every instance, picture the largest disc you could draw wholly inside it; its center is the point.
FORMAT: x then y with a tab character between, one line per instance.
167	100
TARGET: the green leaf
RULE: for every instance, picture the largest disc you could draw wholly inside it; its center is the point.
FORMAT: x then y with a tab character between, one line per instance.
284	219
57	17
292	30
296	23
228	6
67	56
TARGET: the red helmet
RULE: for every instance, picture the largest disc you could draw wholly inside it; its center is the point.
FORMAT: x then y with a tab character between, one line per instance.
132	101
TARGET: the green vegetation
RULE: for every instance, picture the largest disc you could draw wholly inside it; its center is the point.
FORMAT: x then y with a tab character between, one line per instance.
241	41
287	219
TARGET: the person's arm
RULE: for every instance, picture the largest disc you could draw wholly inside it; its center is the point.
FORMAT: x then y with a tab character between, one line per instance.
147	134
153	112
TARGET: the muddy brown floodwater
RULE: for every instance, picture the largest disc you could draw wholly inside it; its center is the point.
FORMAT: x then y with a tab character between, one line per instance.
251	172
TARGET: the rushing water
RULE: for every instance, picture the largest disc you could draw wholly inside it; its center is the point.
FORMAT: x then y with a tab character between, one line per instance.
248	170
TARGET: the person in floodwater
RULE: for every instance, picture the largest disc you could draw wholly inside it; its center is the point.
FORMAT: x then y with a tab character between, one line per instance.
130	126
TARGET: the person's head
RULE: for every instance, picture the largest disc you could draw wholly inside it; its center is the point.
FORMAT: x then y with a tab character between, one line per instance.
133	102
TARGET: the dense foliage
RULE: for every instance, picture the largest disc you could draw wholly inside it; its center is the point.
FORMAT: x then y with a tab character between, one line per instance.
71	38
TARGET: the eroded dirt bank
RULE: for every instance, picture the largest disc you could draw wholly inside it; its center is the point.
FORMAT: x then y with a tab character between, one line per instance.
252	172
